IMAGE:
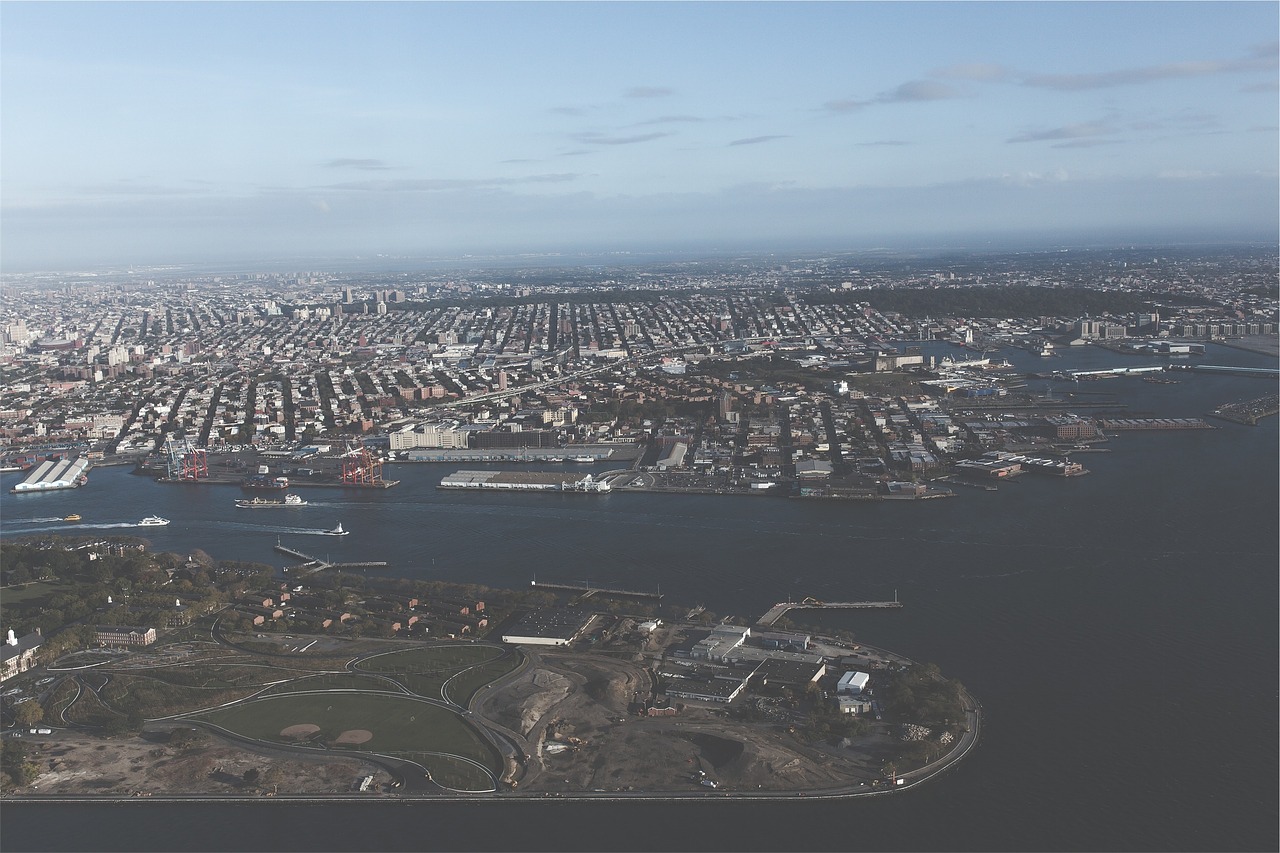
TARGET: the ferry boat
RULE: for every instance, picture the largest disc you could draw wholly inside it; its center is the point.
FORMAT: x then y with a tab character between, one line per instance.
153	521
260	503
582	459
337	531
72	517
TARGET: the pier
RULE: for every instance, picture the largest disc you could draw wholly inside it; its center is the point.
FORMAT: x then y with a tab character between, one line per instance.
779	610
588	590
311	564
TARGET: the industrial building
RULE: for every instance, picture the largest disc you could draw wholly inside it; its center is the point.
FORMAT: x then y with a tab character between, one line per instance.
550	626
853	683
55	474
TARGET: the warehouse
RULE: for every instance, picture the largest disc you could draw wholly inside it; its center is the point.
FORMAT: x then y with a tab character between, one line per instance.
551	626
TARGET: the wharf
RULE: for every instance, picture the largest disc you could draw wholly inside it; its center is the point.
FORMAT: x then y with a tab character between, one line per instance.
538	481
1116	424
1248	412
779	610
312	564
223	480
589	590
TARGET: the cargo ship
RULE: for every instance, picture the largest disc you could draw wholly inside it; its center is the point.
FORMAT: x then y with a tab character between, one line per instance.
261	503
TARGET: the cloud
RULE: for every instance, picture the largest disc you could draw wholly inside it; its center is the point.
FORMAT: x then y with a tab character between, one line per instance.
351	163
130	187
847	105
918	90
426	185
1083	130
882	143
978	71
1262	58
1086	143
648	92
681	119
756	140
1031	179
1266	88
1264	128
1185	175
913	91
571	111
593	138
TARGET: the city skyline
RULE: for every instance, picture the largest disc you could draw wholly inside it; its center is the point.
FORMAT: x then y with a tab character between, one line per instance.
162	133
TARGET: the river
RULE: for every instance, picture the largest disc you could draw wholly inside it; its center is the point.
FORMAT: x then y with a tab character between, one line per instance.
1119	628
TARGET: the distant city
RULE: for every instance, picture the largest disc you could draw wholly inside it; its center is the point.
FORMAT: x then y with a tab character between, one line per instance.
502	362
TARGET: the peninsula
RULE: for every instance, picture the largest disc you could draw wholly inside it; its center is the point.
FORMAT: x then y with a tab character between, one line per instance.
350	686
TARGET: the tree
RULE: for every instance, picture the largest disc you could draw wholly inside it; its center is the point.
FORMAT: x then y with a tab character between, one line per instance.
28	713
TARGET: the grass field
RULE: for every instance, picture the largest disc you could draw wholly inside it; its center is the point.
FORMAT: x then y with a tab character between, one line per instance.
443	658
399	725
425	670
464	686
332	681
36	592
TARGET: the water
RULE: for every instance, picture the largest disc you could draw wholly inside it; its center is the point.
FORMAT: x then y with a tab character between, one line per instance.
1119	628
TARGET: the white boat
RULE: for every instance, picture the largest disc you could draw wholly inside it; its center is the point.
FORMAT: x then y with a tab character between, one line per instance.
582	459
153	521
337	531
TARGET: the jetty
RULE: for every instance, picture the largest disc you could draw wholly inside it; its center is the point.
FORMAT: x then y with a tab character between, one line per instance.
587	590
779	610
311	564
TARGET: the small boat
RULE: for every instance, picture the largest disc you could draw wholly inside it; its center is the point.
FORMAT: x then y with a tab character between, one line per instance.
72	517
337	531
153	521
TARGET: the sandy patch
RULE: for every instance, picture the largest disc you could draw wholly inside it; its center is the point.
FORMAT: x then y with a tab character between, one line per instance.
299	731
354	736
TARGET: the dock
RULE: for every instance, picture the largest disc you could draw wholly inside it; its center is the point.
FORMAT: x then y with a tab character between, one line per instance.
311	564
779	610
588	590
538	481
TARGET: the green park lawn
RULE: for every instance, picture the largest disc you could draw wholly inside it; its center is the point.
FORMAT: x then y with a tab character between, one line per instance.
399	725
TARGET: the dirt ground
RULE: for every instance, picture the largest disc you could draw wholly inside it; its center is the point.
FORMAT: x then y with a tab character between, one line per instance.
72	763
573	711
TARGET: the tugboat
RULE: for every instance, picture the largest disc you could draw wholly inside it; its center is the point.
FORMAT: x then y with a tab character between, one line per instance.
337	531
153	521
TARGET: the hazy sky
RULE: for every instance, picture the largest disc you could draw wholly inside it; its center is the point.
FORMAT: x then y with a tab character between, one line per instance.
161	132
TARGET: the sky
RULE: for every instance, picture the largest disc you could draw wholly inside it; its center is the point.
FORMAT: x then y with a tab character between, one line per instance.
149	133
